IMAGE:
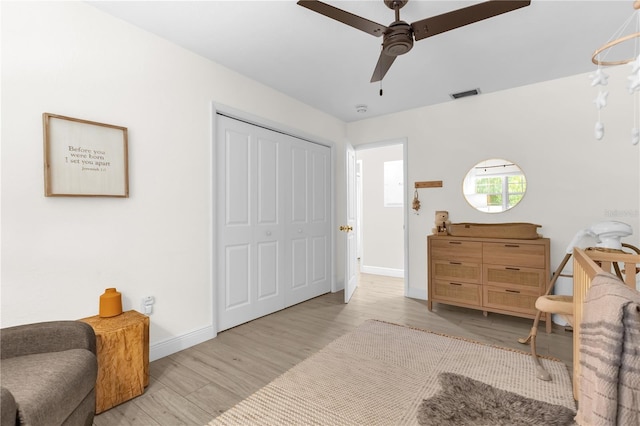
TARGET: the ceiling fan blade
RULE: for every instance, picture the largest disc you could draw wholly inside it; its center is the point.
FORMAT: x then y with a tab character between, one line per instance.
465	16
383	65
345	17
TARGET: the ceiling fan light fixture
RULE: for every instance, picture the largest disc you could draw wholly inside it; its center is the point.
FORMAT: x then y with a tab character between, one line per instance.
464	94
398	40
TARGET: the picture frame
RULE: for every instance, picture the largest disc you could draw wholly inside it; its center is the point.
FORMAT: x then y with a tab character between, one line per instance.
84	158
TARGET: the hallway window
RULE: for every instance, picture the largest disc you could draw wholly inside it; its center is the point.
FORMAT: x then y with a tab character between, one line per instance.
393	184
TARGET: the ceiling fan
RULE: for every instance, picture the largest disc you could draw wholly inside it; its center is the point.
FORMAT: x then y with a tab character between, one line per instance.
398	36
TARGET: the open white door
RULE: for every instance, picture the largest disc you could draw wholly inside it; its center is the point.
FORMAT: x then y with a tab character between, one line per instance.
351	261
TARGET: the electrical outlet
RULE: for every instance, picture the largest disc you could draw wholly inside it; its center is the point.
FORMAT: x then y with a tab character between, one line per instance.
147	305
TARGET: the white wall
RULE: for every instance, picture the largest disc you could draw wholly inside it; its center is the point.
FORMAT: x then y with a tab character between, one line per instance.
59	254
547	128
382	226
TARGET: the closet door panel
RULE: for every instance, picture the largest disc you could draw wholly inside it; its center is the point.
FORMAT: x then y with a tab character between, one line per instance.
298	185
236	250
310	224
297	225
237	178
319	188
268	270
299	263
268	230
319	268
320	226
268	181
238	276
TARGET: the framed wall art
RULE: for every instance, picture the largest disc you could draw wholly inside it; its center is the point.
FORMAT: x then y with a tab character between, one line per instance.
84	158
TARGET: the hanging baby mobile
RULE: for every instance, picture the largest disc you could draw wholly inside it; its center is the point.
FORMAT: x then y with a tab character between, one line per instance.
599	78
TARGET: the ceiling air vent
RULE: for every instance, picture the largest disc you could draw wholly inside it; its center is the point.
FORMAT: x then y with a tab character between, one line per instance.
464	94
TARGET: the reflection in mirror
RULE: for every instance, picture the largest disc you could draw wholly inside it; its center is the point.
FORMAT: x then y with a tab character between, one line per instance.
494	185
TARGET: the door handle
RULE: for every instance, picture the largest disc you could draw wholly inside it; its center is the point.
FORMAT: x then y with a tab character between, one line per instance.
346	228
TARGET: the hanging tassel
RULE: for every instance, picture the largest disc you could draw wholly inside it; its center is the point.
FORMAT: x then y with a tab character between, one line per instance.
416	202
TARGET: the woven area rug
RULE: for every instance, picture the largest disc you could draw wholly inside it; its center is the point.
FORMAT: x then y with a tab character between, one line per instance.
380	374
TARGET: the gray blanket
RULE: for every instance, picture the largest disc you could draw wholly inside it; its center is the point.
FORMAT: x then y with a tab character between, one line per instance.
610	354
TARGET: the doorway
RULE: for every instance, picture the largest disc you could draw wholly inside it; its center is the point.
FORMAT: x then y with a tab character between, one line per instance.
381	197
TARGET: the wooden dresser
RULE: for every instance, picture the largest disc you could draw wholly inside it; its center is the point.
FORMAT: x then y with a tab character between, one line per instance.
489	274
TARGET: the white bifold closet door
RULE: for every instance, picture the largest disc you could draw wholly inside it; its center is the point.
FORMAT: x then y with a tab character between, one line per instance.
274	228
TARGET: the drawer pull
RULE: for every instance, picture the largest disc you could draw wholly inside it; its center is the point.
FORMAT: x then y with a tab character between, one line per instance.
512	245
512	291
455	263
455	242
458	284
512	269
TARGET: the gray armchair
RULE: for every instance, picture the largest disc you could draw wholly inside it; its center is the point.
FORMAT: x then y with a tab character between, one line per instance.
48	374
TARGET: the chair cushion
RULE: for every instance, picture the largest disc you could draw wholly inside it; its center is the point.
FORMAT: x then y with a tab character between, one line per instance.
48	387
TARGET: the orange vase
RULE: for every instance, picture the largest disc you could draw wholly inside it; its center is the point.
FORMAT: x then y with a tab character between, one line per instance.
110	303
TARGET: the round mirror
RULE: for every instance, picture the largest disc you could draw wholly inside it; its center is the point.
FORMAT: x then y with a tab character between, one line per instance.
494	185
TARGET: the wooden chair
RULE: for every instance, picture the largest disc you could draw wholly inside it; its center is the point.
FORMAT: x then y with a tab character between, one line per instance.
563	305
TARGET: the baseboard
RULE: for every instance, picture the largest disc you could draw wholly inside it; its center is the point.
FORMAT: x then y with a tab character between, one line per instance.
387	272
176	344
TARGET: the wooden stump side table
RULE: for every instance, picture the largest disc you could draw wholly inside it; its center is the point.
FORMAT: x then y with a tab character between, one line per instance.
122	346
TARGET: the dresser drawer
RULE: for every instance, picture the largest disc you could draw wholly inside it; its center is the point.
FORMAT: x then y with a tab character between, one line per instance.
514	254
456	250
457	271
531	279
457	292
509	299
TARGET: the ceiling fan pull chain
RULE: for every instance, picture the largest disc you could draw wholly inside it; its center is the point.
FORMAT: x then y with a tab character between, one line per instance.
380	87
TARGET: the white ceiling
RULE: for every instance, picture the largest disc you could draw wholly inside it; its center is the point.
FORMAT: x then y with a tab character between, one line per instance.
328	65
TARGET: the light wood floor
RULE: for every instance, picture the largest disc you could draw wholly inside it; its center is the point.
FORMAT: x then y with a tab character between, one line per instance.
193	386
